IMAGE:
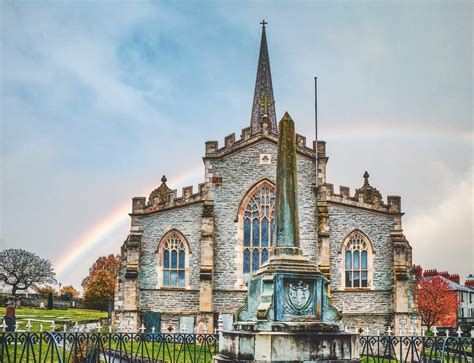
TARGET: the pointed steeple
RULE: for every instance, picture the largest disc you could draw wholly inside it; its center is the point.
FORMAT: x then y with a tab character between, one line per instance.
263	101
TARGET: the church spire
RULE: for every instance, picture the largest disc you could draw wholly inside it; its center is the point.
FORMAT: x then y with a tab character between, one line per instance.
263	101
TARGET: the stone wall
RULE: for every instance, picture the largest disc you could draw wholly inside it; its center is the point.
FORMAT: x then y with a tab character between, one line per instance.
227	302
170	301
363	302
187	220
239	172
377	226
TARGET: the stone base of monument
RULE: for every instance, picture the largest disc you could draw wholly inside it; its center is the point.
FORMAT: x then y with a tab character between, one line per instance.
245	346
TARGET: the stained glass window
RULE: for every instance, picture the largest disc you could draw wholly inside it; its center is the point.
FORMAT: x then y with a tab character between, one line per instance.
355	261
259	228
174	261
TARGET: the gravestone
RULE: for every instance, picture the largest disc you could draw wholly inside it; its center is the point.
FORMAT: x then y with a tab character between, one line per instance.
186	324
10	319
152	319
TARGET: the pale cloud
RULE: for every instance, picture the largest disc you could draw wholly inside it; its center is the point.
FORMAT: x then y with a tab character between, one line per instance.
100	100
442	237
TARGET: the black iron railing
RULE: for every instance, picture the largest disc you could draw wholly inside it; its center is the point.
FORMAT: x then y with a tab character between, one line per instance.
49	347
106	347
416	349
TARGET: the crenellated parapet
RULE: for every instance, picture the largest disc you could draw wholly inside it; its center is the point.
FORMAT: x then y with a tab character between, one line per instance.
231	144
163	198
366	197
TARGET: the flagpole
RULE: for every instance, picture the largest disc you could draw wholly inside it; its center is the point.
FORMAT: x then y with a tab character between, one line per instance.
316	129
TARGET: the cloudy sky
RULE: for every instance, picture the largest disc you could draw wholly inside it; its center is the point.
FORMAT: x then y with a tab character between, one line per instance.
99	100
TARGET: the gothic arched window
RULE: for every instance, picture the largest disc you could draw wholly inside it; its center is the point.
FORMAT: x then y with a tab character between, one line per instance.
257	215
357	252
173	251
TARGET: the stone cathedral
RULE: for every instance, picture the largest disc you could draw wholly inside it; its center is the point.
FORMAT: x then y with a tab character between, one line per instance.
188	258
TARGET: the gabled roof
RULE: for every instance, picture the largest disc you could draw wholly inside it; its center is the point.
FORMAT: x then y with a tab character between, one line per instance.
452	285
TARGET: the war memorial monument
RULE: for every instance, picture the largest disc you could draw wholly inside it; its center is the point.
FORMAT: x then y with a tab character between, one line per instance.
288	315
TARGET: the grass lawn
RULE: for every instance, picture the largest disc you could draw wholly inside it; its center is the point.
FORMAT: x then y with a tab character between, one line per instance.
60	317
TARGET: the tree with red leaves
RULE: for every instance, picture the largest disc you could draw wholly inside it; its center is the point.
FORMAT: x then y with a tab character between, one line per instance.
436	301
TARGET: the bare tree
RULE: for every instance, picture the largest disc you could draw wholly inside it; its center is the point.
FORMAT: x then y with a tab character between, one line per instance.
22	269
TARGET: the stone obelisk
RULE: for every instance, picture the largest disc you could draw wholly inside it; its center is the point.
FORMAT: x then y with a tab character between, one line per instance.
286	208
288	314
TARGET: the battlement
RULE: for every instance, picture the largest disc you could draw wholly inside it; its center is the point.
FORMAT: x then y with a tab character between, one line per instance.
164	198
232	144
364	199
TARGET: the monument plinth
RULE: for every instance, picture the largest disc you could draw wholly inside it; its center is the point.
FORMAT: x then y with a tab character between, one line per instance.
288	314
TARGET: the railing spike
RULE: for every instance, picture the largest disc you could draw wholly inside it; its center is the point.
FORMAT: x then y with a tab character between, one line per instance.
4	325
435	331
459	331
65	328
153	329
41	327
142	329
389	331
29	326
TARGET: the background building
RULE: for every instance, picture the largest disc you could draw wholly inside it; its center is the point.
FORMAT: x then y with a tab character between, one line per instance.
464	316
188	258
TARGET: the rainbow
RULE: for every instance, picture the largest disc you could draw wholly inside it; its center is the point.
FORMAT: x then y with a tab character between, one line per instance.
106	227
397	131
119	216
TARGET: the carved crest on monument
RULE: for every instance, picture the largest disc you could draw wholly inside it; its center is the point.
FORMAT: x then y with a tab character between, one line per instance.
298	298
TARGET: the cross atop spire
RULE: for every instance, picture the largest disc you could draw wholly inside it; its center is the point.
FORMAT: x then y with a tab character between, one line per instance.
263	101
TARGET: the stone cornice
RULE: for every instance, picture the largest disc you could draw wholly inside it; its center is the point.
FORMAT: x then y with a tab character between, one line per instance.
166	208
368	208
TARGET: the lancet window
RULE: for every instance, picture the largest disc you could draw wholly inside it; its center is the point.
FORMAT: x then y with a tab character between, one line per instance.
258	218
174	254
357	254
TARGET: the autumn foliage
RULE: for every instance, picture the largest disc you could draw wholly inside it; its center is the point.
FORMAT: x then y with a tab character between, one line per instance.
437	303
99	285
45	290
69	292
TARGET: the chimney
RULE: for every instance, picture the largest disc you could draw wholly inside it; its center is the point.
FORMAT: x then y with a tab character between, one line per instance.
418	271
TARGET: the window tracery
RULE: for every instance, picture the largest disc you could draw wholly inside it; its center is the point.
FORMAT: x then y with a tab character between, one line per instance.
174	254
258	227
357	254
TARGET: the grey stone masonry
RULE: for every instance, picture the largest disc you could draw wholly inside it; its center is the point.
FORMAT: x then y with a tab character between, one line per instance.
377	226
170	301
363	302
228	301
187	220
239	171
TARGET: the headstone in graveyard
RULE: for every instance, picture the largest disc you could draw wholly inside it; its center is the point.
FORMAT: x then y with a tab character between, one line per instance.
50	301
9	318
